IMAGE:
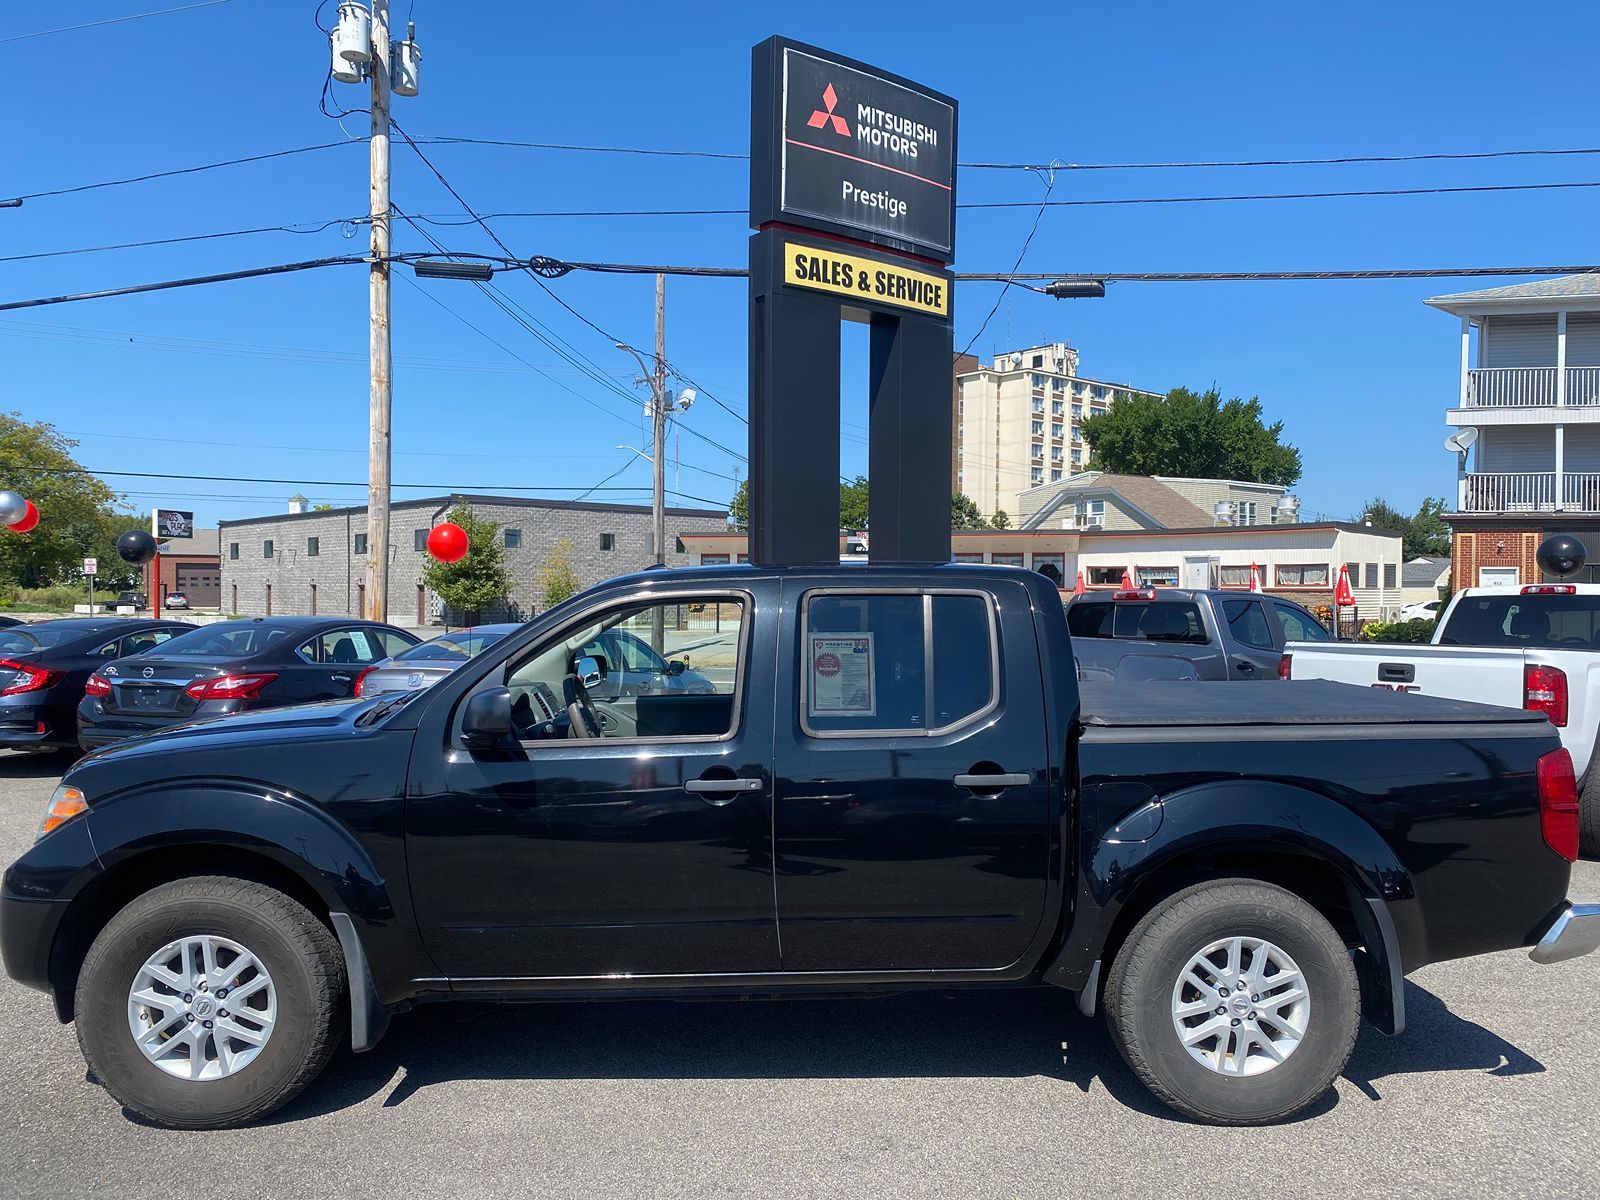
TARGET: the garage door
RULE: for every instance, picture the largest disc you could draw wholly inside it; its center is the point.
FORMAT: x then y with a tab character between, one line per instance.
201	582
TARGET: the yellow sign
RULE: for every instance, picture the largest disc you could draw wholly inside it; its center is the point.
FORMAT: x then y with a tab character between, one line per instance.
867	279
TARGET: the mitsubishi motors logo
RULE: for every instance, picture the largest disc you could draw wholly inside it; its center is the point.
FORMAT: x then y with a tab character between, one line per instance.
819	117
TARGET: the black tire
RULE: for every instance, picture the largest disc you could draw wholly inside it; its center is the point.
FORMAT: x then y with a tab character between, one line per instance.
1589	815
1139	1001
302	957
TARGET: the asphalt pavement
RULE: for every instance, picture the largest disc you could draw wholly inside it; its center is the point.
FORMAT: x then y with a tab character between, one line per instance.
1493	1091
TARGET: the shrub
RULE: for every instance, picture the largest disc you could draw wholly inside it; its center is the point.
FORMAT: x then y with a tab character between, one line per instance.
1398	631
56	599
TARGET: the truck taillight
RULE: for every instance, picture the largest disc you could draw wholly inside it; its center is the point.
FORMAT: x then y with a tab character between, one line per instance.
1284	667
1558	804
229	687
1135	594
97	685
1544	689
1550	589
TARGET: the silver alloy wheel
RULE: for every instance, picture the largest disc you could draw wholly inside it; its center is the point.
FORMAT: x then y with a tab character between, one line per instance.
202	1007
1241	1006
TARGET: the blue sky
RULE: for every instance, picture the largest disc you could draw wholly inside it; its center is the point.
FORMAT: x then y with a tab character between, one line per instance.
268	377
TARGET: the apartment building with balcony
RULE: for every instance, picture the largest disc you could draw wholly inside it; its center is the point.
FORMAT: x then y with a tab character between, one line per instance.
1019	422
1528	402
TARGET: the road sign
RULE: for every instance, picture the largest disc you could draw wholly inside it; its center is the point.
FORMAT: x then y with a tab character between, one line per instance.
90	566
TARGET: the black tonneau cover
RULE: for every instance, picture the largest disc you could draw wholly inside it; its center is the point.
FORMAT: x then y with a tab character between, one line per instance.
1291	702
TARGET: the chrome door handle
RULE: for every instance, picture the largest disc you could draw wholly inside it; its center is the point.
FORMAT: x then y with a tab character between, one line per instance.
1009	779
701	787
340	678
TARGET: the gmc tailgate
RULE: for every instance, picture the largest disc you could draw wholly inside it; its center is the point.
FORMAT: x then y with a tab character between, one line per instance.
1486	676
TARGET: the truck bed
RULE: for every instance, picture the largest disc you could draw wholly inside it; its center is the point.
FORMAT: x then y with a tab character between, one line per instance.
1296	702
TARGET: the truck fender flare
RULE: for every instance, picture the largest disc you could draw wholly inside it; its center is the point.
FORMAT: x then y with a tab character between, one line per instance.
1241	815
271	823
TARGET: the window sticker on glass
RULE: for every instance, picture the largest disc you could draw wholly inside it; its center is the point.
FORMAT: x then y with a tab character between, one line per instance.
842	682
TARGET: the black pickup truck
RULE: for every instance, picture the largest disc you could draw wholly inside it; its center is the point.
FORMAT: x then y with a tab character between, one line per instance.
893	782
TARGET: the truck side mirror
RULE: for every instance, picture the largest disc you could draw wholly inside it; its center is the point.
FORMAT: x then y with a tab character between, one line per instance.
487	719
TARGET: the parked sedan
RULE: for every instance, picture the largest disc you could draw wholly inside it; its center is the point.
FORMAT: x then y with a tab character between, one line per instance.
424	664
43	668
231	667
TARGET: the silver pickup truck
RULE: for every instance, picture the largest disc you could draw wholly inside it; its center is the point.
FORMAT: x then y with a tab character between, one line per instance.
1180	633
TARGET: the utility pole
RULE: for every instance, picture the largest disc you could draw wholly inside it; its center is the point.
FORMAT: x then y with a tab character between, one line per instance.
382	382
658	415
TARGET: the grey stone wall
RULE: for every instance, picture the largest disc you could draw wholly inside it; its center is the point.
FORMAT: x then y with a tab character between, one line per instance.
338	574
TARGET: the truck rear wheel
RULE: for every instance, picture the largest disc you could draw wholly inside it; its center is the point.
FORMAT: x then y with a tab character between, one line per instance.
208	1002
1589	815
1235	1002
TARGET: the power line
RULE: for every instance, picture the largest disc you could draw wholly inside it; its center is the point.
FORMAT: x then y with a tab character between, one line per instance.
1049	186
160	12
306	228
1425	191
195	170
191	281
475	489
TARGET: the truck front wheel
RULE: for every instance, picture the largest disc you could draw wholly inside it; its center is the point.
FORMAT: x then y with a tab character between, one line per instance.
1235	1002
208	1002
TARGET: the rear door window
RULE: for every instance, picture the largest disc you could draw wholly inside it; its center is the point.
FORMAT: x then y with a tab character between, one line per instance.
1091	619
342	647
1248	624
866	667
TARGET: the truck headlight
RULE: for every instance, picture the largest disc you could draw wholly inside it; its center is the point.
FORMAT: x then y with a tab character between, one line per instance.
65	803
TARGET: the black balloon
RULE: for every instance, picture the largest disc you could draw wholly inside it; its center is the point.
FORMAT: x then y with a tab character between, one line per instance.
1561	555
136	547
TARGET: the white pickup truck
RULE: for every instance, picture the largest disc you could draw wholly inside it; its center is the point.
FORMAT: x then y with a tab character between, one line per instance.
1535	647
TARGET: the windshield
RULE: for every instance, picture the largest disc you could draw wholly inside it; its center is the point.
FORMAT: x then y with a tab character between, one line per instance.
451	647
1556	622
1148	621
229	640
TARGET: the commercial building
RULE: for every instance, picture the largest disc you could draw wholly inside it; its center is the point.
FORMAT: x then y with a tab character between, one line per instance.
192	566
315	562
1096	500
1019	422
1299	561
1528	415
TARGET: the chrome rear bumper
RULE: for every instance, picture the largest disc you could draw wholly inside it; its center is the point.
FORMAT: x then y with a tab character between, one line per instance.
1575	931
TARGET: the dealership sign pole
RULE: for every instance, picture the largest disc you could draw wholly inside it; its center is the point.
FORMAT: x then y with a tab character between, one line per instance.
852	195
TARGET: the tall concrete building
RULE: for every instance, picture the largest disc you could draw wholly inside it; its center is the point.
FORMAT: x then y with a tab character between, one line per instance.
1019	422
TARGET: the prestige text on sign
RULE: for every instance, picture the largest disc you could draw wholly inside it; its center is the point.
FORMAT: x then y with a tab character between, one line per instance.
866	279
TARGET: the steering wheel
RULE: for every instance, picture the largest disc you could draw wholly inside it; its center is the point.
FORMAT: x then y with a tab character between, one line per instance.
582	721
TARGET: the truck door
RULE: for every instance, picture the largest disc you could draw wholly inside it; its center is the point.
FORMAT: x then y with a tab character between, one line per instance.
1253	650
913	815
643	845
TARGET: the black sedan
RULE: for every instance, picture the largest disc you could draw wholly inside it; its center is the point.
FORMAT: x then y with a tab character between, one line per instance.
232	667
44	666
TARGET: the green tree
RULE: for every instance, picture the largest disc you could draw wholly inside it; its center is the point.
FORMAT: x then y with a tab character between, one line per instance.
1422	534
1000	520
478	581
79	516
964	513
1191	433
852	504
558	580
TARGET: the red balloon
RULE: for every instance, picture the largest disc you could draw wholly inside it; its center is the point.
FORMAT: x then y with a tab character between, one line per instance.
29	519
447	542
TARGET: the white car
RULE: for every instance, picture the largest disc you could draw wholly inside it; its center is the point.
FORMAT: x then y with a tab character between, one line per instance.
1535	647
177	600
1425	610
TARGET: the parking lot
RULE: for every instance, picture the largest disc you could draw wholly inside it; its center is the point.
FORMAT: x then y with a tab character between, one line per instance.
1493	1090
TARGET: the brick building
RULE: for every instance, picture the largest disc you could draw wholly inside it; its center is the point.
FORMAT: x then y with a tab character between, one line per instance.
315	562
192	566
